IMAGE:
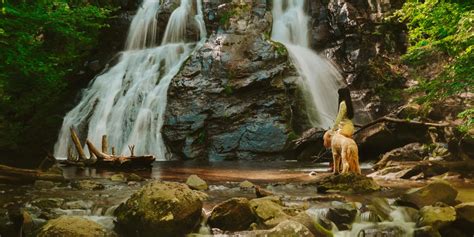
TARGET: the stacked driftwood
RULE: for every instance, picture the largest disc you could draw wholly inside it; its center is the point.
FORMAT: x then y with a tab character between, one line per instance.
102	158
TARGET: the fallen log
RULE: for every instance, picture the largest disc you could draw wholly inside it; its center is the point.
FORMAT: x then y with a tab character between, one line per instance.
77	143
12	174
403	121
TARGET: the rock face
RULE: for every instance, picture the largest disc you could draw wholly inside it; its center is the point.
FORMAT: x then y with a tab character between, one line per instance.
436	216
72	226
160	209
233	215
233	98
466	211
410	152
437	191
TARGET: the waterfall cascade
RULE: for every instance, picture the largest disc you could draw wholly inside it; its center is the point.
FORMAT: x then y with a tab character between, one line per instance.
320	79
128	101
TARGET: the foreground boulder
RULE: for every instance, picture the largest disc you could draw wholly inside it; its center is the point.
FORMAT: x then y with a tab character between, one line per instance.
234	214
466	211
160	209
436	216
437	191
72	227
348	182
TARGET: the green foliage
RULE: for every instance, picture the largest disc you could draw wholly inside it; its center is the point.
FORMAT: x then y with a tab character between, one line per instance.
228	90
468	117
437	28
42	42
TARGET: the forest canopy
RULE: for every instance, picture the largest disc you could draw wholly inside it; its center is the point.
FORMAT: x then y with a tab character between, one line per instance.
42	43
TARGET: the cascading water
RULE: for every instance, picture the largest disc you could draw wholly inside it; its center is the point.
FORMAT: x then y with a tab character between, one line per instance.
321	79
128	101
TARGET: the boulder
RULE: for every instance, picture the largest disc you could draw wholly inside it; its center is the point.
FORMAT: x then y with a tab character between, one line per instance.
134	178
436	216
341	214
232	215
44	184
307	146
47	203
466	211
411	152
118	178
160	209
89	185
287	228
268	210
386	136
348	182
437	191
73	227
10	222
195	182
246	185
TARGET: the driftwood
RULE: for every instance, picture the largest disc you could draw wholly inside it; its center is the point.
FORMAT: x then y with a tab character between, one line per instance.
396	120
12	174
77	143
103	159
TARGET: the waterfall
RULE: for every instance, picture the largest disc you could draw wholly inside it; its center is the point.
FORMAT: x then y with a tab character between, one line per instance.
320	79
128	101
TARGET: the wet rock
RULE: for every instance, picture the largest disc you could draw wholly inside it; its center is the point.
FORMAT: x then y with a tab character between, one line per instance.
87	185
246	185
384	137
10	222
381	229
341	214
135	178
426	231
31	224
262	192
410	152
288	228
233	215
436	216
268	210
466	211
80	204
307	146
381	208
118	178
437	191
43	184
48	203
348	182
160	209
195	182
72	226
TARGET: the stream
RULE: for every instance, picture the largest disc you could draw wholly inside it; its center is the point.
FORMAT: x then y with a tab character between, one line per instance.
284	179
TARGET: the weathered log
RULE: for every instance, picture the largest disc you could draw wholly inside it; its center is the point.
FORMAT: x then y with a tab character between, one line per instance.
9	174
396	120
77	143
100	155
105	144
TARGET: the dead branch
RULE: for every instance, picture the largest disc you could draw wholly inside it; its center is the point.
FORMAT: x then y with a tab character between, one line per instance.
105	144
132	149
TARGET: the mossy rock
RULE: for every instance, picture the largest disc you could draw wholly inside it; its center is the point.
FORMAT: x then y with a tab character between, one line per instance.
160	209
348	182
437	191
234	214
72	226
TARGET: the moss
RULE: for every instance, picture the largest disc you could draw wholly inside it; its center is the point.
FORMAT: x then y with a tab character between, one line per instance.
228	90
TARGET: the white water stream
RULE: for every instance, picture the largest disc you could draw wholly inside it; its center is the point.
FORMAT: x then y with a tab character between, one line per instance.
128	101
320	79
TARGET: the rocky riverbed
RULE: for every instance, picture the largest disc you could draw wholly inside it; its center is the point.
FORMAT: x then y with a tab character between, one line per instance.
236	198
